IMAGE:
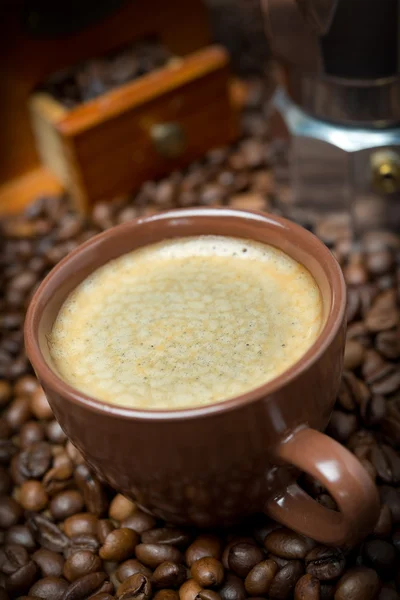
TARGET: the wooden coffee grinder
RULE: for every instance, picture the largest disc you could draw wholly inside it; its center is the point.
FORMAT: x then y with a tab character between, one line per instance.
111	144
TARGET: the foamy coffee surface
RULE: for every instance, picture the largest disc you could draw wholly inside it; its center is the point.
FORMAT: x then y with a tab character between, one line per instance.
186	322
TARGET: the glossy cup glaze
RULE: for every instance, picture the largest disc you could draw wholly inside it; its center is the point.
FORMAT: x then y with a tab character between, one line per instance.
215	464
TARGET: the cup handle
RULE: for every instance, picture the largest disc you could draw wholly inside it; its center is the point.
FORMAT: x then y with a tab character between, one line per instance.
344	477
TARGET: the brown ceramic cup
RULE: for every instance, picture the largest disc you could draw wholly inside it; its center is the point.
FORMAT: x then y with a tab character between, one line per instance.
216	464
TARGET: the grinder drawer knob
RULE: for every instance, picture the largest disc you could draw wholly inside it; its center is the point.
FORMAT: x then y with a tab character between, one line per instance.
386	171
169	139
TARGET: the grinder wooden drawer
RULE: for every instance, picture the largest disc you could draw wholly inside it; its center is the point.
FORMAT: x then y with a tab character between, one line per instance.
139	131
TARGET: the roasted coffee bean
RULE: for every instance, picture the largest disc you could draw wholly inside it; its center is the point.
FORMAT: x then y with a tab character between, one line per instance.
104	527
85	586
54	432
80	524
47	534
391	497
189	590
18	412
358	583
21	580
7	451
132	566
139	521
260	577
243	557
208	572
166	535
12	558
82	542
232	588
233	542
208	595
10	512
119	544
381	556
92	490
354	354
166	595
49	588
5	392
81	563
286	544
40	406
136	587
58	479
20	535
284	582
307	588
5	481
32	496
30	433
170	575
102	596
65	504
35	460
384	524
26	385
342	425
121	508
325	563
387	593
5	429
153	555
50	563
203	545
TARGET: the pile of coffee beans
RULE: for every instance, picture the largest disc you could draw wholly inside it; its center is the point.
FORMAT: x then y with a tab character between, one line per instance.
94	77
66	536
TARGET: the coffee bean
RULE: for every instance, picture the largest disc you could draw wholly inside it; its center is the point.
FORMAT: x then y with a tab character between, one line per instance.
354	355
49	588
85	586
243	557
358	583
80	524
260	577
130	567
35	460
121	508
92	490
284	582
21	580
65	504
169	575
104	527
204	545
384	524
32	496
342	425
5	392
82	542
74	453
58	479
307	588
166	595
139	521
136	587
26	385
81	563
20	535
5	481
208	595
232	588
325	563
30	433
388	593
47	534
40	406
381	556
18	412
189	590
119	544
208	572
10	512
102	596
54	432
391	497
7	451
166	535
383	314
286	544
12	558
50	563
153	555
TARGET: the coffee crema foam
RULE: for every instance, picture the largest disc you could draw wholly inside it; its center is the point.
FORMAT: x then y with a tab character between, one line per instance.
185	323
